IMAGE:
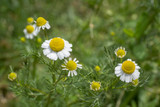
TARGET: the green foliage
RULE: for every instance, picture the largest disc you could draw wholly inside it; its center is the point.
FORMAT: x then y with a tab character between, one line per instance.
87	25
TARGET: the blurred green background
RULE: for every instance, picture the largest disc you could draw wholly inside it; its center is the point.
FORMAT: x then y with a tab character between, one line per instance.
90	25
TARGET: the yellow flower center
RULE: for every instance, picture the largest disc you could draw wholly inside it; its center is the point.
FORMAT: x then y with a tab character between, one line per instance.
12	76
97	68
41	21
121	52
29	28
30	20
22	39
95	85
71	65
56	44
128	67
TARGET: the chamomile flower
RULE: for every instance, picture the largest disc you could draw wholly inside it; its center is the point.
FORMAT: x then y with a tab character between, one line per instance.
30	20
71	66
12	76
23	39
56	48
30	31
127	71
42	23
120	52
97	68
95	86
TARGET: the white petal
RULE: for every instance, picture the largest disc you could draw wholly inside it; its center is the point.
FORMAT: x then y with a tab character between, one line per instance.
46	51
65	53
74	59
72	73
45	45
69	73
122	78
135	74
52	56
68	49
60	55
127	78
75	73
117	71
47	25
117	68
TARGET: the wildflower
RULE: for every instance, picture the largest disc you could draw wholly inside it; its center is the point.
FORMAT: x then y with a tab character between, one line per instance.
120	52
30	20
12	76
56	48
71	66
97	68
135	82
39	40
95	86
128	71
30	31
23	39
42	23
112	33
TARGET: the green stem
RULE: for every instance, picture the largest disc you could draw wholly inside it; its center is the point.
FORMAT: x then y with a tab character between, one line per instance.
121	60
31	88
45	33
34	67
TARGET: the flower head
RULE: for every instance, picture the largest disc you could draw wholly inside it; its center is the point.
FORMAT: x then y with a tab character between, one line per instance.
120	52
135	82
112	33
71	66
95	86
30	20
56	48
39	40
12	76
42	23
97	68
23	39
30	31
128	71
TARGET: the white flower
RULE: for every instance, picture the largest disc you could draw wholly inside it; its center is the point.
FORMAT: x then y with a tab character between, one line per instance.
120	52
56	48
71	66
127	71
42	23
30	31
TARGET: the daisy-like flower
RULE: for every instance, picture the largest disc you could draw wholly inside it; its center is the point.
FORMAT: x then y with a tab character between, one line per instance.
30	31
30	20
95	86
127	71
120	52
12	76
97	68
71	66
56	48
42	23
